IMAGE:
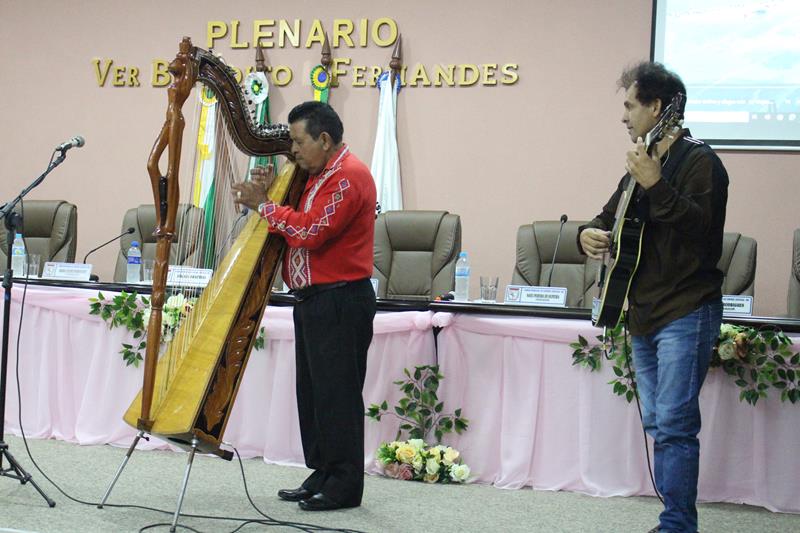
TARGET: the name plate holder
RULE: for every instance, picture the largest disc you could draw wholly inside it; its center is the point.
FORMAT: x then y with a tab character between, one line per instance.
734	305
539	296
66	271
183	276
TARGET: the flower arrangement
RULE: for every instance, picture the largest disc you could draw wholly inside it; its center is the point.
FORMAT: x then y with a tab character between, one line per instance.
757	359
413	460
133	312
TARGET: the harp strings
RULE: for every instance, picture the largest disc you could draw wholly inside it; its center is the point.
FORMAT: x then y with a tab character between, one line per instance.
209	226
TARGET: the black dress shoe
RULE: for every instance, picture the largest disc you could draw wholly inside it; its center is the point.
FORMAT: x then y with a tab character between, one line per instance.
320	502
295	495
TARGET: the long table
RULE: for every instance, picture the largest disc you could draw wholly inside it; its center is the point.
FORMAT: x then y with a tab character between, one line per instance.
535	420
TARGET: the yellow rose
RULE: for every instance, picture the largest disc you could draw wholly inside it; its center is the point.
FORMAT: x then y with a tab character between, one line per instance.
405	453
450	455
431	478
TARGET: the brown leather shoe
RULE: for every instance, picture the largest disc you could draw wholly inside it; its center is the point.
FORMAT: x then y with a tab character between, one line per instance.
295	495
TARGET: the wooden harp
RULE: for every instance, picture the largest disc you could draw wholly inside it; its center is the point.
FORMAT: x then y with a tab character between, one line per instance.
188	392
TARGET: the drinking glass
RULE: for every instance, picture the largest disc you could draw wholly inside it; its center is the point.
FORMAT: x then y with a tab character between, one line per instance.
489	288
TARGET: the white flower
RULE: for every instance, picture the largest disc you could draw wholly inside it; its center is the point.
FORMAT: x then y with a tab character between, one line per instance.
418	463
176	301
419	444
432	466
169	319
459	473
728	330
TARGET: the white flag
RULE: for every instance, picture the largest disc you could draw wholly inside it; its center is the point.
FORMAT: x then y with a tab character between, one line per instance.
385	158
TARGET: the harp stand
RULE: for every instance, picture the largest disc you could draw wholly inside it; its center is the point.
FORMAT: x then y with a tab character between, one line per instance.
13	221
184	484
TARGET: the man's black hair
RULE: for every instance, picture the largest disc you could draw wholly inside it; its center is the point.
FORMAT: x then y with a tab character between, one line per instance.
319	117
653	82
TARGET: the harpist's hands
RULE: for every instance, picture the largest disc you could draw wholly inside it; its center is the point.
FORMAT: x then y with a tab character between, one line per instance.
645	169
254	192
595	242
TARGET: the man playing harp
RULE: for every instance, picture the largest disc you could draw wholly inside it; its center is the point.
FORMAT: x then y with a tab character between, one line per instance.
327	265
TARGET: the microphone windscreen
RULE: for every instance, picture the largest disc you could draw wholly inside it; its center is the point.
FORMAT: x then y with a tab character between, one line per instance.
564	218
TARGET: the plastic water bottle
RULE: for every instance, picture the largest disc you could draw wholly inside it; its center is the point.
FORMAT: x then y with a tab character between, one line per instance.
462	278
18	256
134	263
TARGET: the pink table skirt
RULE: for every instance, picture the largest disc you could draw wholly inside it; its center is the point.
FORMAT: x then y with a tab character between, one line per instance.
538	421
75	385
535	420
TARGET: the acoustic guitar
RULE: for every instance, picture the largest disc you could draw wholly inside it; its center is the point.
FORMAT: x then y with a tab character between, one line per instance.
620	262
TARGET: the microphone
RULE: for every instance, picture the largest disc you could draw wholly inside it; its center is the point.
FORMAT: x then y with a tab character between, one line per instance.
121	235
75	142
555	251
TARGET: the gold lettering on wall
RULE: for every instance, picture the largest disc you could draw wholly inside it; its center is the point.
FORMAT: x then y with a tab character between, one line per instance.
127	76
346	33
235	36
342	28
316	35
259	33
215	29
377	27
510	73
161	76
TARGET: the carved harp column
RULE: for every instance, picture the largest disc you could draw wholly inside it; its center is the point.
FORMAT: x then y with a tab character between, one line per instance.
189	392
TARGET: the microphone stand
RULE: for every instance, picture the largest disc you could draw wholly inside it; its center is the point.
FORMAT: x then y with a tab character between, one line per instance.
13	221
555	251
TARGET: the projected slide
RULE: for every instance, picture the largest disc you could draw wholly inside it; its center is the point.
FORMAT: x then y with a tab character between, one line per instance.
740	61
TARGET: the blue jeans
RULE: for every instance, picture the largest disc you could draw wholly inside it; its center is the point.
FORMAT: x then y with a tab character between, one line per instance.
671	364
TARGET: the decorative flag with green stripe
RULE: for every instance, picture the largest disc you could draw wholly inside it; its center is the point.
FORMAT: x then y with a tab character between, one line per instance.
205	170
256	88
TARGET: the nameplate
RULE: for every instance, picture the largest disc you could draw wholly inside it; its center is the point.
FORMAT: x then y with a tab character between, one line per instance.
540	296
182	276
66	271
737	305
375	282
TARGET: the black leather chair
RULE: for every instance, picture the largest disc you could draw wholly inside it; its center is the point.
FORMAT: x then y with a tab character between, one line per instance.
143	220
50	228
536	244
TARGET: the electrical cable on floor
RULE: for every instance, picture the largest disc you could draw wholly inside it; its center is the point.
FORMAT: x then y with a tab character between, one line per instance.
268	521
638	406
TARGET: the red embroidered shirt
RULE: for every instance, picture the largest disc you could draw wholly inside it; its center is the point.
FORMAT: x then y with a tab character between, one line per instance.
330	235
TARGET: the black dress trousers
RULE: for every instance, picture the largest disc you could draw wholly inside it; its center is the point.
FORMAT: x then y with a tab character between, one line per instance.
333	331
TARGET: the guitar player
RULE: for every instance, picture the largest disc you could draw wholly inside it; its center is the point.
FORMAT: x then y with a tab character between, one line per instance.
674	301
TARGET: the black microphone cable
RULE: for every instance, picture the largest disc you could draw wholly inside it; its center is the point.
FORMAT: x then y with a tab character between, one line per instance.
638	405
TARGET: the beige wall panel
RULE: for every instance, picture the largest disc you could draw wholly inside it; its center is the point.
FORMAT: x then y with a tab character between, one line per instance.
498	156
